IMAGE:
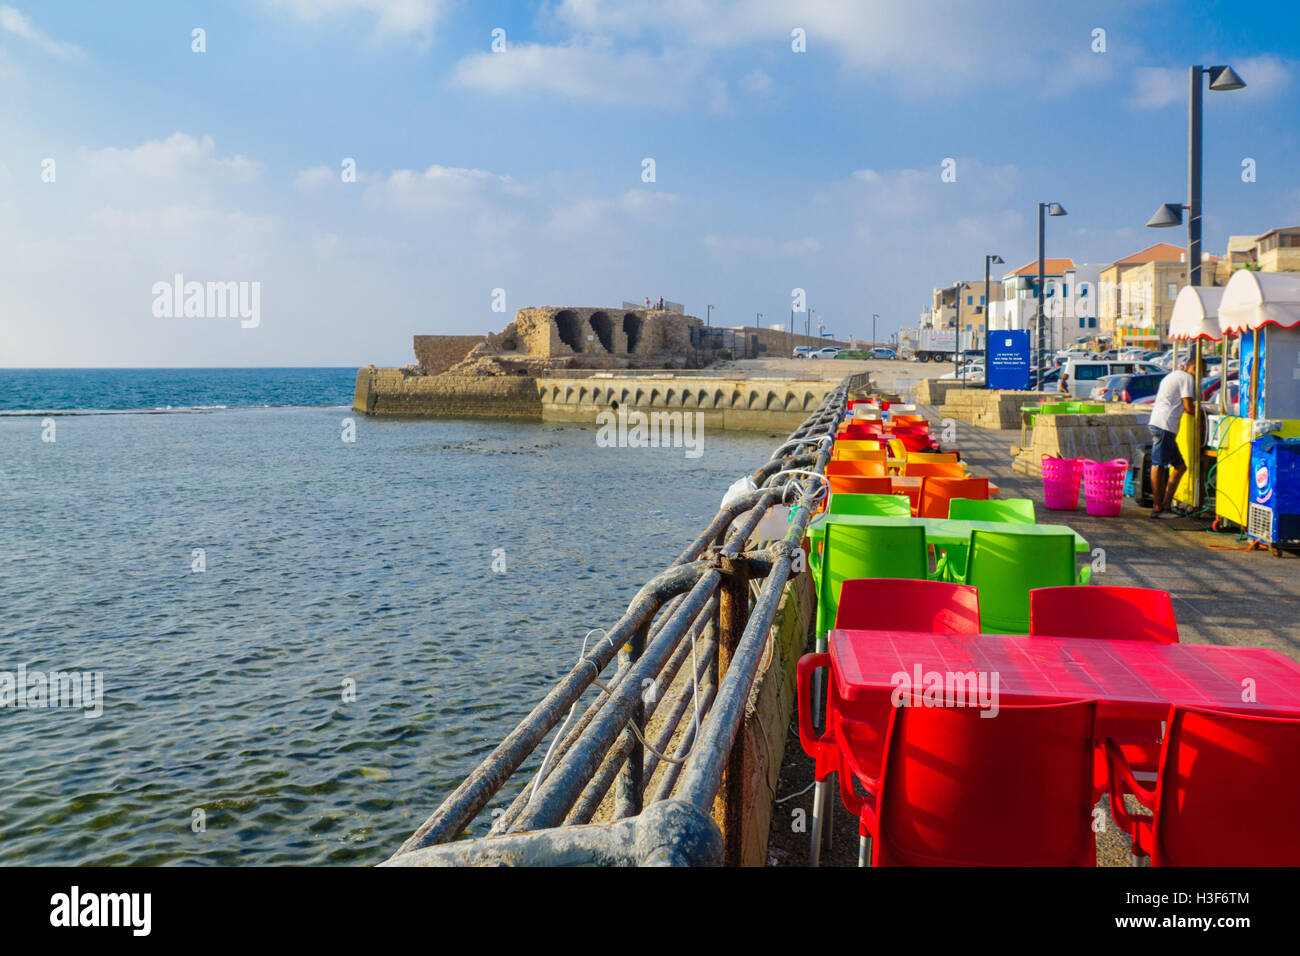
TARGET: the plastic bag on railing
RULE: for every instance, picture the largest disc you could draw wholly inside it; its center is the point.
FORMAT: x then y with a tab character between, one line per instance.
738	490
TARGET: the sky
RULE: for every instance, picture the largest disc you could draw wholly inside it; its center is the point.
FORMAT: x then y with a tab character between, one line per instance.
367	170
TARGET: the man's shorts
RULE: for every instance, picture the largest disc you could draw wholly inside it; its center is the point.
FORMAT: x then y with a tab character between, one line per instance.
1164	449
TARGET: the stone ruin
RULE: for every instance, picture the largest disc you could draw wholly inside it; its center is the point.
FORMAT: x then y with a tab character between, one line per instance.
547	338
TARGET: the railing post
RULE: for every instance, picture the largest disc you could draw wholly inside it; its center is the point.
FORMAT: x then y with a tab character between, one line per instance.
630	787
733	616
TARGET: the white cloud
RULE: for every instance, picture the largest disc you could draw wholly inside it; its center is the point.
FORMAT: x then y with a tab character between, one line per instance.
393	18
756	82
173	158
442	187
591	69
919	46
317	177
14	22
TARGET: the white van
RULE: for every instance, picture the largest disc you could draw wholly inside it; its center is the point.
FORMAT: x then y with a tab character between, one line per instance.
1085	373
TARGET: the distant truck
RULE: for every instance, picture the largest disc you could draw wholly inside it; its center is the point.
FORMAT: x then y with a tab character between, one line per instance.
934	346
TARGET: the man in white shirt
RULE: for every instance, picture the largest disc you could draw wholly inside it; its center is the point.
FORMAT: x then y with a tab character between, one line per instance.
1175	396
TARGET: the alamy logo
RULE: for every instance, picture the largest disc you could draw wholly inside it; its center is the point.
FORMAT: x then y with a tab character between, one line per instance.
624	429
946	689
38	690
208	300
133	910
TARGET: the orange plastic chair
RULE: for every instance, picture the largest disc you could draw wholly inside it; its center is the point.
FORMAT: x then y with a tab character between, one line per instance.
937	493
910	419
1225	796
933	470
861	484
913	492
857	468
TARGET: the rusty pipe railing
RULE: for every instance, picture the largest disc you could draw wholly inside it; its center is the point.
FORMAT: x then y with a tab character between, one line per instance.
676	606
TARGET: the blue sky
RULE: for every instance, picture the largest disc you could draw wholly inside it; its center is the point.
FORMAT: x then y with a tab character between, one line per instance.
522	170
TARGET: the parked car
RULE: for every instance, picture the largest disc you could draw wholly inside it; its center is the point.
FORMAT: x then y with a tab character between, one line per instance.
973	372
801	351
1085	373
1127	387
1234	395
829	352
883	353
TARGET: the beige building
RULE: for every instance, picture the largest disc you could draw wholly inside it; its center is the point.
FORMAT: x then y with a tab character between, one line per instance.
944	313
1277	250
1138	293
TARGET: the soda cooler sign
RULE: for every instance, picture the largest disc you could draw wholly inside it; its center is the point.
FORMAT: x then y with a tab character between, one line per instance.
1008	360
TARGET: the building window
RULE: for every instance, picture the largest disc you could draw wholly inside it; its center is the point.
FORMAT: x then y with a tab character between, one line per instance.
970	300
1092	322
1173	290
981	300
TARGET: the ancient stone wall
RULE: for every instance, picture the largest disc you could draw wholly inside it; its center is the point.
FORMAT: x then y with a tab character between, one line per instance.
437	353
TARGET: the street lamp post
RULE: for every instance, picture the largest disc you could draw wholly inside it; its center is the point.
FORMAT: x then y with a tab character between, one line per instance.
1222	79
708	316
1044	209
874	317
993	259
958	371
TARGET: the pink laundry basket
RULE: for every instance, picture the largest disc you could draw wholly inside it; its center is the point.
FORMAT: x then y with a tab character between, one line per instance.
1061	482
1103	486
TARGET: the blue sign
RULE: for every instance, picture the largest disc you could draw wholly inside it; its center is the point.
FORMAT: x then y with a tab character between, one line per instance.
1007	364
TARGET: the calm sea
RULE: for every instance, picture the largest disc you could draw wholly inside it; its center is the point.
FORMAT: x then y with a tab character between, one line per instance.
240	574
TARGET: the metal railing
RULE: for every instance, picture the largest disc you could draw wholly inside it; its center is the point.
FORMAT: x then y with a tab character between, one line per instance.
643	746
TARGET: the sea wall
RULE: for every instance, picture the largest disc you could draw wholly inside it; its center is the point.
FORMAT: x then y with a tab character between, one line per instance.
395	391
725	403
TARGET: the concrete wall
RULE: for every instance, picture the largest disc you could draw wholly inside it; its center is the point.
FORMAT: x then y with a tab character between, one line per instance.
725	403
1099	437
987	408
437	353
392	391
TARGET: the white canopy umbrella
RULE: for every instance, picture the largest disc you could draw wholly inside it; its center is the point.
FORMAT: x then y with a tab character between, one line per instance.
1196	314
1253	299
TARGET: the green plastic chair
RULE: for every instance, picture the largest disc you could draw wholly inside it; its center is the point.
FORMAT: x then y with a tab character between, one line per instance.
1012	510
1005	567
1054	408
849	504
867	551
1008	510
897	506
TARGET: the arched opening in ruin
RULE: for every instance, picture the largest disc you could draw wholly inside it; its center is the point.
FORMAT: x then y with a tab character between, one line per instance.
570	328
604	329
632	329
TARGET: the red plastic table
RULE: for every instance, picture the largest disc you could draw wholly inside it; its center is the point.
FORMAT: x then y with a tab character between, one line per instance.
1127	678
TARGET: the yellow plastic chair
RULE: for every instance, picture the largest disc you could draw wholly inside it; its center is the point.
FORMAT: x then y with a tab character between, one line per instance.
877	455
933	457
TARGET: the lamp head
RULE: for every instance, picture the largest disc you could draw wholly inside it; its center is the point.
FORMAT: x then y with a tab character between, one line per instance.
1056	209
1224	78
996	260
1169	214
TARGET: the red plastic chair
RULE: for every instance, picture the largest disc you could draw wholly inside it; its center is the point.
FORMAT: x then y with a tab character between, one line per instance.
1226	794
960	790
1128	614
1112	613
858	431
937	492
904	604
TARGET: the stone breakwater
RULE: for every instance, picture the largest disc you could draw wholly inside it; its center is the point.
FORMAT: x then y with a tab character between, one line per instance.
724	402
